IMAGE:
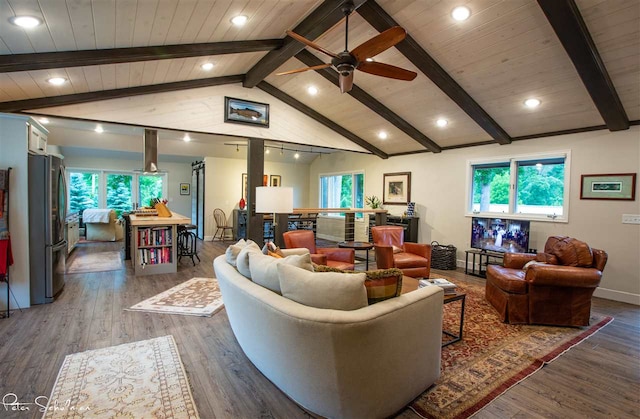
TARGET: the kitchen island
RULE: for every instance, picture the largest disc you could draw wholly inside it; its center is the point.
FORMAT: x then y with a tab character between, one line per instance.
155	242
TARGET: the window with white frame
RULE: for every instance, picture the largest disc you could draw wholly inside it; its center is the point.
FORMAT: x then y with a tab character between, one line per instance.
531	186
342	190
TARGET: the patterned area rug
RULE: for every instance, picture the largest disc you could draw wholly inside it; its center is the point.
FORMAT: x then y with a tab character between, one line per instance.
195	297
492	356
95	262
143	379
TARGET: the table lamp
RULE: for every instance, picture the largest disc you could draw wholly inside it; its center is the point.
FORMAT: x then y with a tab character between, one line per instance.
274	200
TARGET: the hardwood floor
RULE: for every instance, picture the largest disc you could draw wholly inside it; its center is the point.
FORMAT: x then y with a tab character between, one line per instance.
598	378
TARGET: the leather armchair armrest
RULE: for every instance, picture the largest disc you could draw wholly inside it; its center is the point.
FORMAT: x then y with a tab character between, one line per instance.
338	254
419	249
319	259
384	257
517	260
563	276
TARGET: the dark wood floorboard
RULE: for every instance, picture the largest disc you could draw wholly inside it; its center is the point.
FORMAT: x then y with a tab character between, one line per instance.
598	378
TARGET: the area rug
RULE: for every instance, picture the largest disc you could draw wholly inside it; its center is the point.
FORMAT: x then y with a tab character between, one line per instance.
96	262
195	297
492	356
134	380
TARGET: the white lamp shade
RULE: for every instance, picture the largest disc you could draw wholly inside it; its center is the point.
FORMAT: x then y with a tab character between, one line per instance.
272	199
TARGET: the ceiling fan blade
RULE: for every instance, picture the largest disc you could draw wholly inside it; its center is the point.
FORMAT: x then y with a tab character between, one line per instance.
379	43
300	70
387	70
346	83
313	45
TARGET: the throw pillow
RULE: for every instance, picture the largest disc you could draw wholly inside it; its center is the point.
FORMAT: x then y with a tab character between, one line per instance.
397	249
547	257
572	252
242	262
264	269
231	254
331	290
381	284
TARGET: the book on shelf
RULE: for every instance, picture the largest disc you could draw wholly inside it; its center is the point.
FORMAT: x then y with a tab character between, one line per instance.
447	286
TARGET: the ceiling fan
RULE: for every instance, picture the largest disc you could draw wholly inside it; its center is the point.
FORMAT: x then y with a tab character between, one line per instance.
346	62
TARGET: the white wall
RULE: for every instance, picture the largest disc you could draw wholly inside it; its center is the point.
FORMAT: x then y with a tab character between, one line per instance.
438	188
223	185
176	173
13	153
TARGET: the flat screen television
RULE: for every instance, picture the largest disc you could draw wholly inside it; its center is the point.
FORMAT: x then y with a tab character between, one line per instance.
500	234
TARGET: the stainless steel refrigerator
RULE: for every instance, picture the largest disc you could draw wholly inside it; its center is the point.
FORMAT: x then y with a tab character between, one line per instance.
47	213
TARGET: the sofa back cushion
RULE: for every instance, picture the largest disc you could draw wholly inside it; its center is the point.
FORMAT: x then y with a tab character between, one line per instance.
328	290
264	269
242	261
381	284
569	251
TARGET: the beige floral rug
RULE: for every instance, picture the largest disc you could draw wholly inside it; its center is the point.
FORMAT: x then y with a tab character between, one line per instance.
144	379
195	297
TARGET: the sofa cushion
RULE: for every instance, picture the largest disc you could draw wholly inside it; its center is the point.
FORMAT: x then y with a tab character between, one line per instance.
242	261
330	290
570	251
264	269
232	252
547	258
381	284
507	279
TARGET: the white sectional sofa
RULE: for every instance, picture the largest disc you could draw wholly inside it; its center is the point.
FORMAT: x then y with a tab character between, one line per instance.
364	363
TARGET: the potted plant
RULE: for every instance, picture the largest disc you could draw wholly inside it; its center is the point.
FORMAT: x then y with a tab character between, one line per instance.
373	201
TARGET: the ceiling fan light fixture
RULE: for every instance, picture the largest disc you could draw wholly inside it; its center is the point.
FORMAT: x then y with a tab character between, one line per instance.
57	81
441	122
206	66
26	22
239	20
461	13
383	135
532	103
312	90
369	60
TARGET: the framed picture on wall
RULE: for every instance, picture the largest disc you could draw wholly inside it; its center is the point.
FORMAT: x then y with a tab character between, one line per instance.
241	111
619	186
185	189
275	180
396	188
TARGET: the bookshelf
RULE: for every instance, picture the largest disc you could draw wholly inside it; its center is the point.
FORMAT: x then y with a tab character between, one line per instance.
154	241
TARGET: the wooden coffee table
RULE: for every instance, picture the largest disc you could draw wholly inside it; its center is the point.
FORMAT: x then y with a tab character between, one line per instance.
411	284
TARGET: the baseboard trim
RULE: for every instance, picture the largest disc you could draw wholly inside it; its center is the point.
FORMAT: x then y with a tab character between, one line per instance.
621	296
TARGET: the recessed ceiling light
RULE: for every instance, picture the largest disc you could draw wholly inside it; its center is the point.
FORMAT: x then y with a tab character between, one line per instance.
297	155
57	81
267	151
461	13
207	66
382	135
186	138
532	103
369	60
99	129
239	20
442	122
312	90
44	121
26	22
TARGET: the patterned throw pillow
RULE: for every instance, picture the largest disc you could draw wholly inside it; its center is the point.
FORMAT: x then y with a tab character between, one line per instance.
381	284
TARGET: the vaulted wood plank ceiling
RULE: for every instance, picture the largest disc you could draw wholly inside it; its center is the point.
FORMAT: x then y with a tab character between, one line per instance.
476	74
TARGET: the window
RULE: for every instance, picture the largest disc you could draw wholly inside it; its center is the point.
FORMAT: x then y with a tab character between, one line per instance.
345	190
83	190
534	186
119	196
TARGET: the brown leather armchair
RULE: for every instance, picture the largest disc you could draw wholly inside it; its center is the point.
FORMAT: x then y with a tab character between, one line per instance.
413	259
557	292
331	256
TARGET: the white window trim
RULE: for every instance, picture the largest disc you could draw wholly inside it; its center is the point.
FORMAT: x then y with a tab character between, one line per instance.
334	216
513	159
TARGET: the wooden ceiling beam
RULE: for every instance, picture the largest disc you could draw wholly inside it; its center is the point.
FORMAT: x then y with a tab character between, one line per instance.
76	98
323	18
299	106
381	21
64	59
566	20
370	102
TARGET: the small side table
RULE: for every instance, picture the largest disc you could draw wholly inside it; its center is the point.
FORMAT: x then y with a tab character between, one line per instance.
449	298
358	246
